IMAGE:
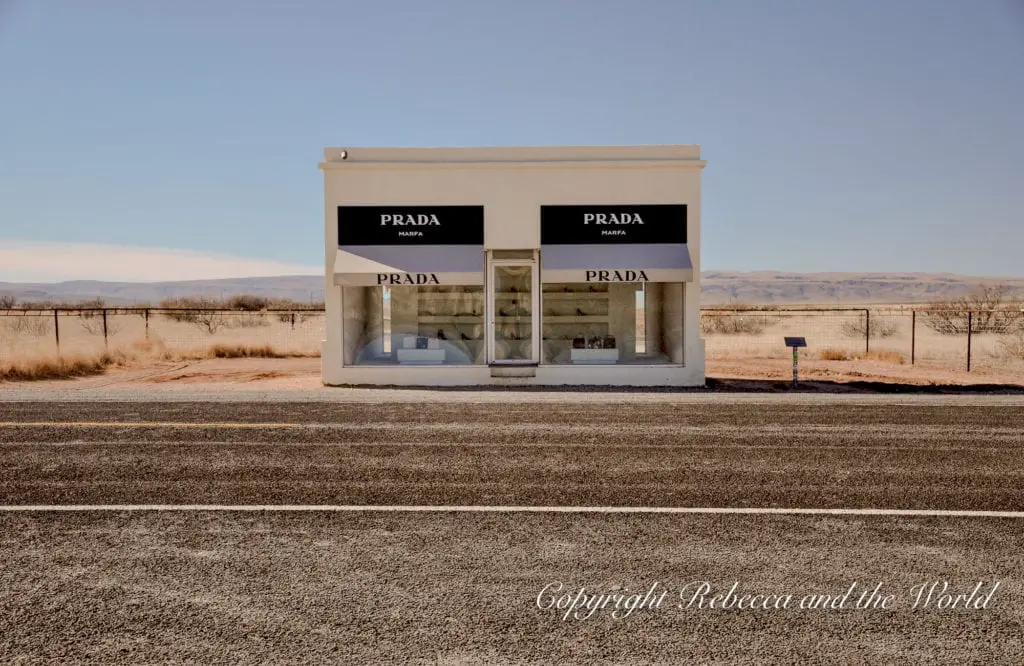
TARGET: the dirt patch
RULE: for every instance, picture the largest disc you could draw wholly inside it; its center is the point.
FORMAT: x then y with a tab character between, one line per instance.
857	375
854	370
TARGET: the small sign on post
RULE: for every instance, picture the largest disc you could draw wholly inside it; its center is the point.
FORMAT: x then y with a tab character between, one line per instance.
796	344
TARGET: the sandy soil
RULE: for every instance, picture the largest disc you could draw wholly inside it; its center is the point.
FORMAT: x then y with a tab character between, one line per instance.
253	374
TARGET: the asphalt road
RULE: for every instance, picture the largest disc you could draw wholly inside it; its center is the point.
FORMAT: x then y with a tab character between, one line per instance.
843	455
232	587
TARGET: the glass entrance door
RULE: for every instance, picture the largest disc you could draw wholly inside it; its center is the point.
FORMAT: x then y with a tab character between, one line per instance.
514	321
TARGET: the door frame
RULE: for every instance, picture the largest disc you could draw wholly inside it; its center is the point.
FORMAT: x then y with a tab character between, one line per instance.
491	310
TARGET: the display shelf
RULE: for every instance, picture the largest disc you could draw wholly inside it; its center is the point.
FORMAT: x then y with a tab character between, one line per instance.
575	319
451	297
575	296
450	319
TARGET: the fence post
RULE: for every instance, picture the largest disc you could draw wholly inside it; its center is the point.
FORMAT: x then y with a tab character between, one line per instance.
147	323
913	336
867	331
56	330
970	330
293	321
106	344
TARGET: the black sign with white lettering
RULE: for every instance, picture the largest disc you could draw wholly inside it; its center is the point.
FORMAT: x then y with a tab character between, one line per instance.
410	225
588	225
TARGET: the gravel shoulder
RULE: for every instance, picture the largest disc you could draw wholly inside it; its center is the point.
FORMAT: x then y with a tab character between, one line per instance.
445	588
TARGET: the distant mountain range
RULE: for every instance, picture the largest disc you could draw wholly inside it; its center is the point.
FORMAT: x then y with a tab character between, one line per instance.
718	288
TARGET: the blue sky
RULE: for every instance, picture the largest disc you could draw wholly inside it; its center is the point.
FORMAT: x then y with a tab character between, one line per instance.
840	135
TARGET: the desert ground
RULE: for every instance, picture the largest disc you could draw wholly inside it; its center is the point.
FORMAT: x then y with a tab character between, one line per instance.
744	345
258	586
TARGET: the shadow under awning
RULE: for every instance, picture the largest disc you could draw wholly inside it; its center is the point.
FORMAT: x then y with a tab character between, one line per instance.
369	265
658	262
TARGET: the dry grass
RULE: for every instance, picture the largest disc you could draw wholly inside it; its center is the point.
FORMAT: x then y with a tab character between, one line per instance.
141	352
882	355
244	351
832	354
62	367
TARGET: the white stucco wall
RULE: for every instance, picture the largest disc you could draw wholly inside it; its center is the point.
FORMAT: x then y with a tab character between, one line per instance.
512	184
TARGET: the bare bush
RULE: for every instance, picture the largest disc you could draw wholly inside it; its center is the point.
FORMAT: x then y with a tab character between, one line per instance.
196	311
880	328
1011	347
247	302
989	310
92	320
33	325
726	322
247	320
7	302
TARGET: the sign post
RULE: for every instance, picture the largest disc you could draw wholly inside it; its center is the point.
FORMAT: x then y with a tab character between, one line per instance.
796	344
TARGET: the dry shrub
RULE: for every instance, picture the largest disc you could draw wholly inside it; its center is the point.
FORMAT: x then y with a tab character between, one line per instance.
990	310
198	313
726	322
34	325
1011	347
61	367
247	302
92	322
7	301
244	351
246	320
833	354
880	328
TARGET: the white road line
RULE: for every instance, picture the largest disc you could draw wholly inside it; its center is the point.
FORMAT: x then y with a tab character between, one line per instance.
355	508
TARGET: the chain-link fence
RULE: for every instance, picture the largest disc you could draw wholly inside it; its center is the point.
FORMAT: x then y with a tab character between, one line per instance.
976	340
34	333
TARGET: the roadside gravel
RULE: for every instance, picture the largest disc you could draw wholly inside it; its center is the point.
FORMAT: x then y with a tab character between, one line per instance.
444	588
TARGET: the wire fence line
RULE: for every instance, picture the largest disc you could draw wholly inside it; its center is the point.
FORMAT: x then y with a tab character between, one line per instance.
85	331
941	337
961	340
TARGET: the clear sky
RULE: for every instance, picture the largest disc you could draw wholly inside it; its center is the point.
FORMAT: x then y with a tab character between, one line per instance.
840	135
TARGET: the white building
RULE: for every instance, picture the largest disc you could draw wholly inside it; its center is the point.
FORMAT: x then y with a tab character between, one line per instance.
475	266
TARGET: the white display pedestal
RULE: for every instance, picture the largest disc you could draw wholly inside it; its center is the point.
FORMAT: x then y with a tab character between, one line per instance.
594	355
421	356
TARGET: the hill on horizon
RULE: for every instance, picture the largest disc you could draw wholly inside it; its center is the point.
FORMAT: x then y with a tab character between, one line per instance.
717	288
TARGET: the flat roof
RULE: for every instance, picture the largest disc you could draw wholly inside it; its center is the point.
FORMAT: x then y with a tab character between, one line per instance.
670	152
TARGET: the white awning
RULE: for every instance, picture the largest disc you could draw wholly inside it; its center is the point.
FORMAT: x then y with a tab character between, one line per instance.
626	262
370	265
